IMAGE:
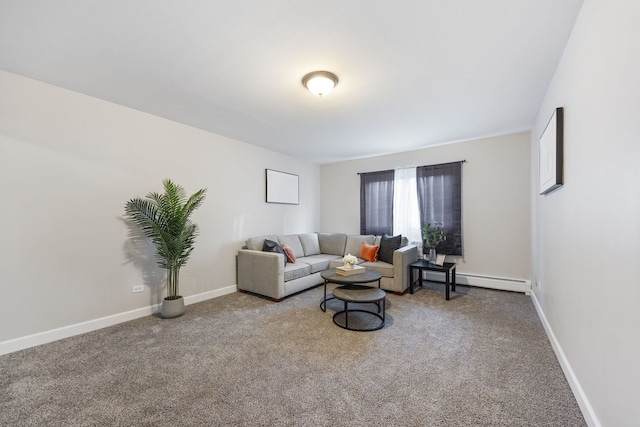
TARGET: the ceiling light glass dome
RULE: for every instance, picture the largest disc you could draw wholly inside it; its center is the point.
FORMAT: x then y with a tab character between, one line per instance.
320	83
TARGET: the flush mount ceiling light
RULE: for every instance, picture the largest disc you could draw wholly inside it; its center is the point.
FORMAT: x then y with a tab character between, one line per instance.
320	83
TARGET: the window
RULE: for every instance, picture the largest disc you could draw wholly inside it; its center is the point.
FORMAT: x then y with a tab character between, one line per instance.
440	200
388	203
376	202
406	215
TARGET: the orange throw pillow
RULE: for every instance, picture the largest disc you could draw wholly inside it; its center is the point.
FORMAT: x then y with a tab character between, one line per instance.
288	251
369	252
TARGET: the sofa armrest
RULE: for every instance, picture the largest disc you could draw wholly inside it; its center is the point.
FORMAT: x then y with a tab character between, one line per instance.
402	257
261	273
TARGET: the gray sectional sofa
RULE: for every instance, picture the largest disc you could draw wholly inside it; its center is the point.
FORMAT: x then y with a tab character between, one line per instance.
265	273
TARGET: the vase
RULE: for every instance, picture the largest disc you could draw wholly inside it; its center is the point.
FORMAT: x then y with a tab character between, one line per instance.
432	256
348	266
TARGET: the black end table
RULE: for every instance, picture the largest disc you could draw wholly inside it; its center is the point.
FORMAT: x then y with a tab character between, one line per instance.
448	268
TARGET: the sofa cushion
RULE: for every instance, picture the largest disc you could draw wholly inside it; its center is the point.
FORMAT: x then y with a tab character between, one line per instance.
310	243
332	243
293	241
291	256
271	246
318	262
297	270
256	243
381	267
369	252
388	245
354	243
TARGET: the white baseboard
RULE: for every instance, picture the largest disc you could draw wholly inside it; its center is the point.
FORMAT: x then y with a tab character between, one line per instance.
208	295
585	406
22	343
481	281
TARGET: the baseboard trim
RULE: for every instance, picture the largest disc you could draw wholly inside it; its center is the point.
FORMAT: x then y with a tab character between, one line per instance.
40	338
583	402
208	295
481	281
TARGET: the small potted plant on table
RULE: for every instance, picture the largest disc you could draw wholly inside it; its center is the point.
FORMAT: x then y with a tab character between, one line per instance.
432	235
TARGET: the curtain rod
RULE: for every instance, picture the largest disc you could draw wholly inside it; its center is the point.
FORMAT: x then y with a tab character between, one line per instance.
438	164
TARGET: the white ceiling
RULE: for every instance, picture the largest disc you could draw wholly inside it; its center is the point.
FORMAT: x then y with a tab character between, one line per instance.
413	73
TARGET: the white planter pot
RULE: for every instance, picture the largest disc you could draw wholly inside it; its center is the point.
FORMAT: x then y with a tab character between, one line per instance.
172	308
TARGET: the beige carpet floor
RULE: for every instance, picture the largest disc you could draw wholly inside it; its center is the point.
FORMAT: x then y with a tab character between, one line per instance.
481	359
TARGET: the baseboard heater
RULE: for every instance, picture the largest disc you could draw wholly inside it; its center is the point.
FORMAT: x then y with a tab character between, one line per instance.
483	281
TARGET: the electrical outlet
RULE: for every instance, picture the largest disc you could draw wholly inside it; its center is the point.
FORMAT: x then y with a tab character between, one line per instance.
137	288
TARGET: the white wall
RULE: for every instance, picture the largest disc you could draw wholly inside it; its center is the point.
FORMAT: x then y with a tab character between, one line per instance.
68	164
586	235
495	199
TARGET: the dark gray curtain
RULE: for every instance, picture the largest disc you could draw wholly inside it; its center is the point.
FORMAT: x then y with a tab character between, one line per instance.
376	202
440	200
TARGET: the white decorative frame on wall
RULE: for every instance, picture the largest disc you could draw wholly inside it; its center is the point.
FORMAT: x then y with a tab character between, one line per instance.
281	187
551	153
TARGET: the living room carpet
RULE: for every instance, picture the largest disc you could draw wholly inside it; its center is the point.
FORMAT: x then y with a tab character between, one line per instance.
480	359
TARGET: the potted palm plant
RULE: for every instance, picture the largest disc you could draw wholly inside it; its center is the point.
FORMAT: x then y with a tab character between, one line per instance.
164	218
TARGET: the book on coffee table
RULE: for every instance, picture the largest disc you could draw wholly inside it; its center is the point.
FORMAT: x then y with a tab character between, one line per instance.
343	271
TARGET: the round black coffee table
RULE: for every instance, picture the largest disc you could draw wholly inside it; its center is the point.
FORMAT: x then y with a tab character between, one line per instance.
360	295
330	276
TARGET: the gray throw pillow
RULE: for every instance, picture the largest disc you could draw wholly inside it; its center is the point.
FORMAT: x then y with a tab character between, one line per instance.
388	246
271	246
